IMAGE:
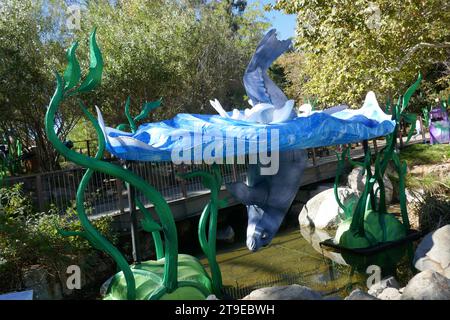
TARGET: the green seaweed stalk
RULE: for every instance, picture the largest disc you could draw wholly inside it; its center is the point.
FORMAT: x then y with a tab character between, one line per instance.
67	87
212	181
367	200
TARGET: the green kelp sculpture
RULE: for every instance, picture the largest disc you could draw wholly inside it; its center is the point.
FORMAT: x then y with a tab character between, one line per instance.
10	157
368	223
172	275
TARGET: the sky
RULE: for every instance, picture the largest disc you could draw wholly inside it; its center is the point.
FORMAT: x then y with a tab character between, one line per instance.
284	23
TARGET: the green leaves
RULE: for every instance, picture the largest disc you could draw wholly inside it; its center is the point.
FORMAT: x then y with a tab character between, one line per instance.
346	48
72	73
148	106
410	92
410	118
94	77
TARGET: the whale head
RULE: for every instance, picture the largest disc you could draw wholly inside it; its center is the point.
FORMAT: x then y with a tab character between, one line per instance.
262	226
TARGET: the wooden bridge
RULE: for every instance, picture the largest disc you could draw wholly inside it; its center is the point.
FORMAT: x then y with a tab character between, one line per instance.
108	196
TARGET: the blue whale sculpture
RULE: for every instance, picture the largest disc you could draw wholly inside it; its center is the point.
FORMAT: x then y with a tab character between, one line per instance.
268	197
187	137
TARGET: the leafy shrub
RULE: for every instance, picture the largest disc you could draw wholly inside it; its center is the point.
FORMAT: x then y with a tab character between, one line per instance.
29	238
433	211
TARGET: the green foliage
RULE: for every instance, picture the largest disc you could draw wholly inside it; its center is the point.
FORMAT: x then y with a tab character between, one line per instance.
29	49
346	48
185	53
10	157
28	237
81	131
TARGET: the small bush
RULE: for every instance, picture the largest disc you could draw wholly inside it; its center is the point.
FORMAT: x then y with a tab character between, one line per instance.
32	238
433	211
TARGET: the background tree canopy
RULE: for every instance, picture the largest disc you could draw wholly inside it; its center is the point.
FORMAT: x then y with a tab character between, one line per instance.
189	51
185	52
345	48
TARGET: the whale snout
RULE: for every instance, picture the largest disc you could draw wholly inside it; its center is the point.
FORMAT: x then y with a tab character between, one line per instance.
251	244
258	240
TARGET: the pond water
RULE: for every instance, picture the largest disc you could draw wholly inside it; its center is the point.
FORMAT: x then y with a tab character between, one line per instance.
295	256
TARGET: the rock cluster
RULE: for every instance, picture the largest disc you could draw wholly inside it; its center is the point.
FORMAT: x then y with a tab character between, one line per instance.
322	210
433	252
426	285
292	292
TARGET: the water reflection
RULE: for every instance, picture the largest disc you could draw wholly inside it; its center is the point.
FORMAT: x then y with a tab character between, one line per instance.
297	257
389	260
315	237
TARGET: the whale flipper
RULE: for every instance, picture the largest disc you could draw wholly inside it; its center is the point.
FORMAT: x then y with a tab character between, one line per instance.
256	195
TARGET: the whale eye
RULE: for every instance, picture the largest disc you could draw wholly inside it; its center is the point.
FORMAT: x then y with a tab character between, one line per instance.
264	235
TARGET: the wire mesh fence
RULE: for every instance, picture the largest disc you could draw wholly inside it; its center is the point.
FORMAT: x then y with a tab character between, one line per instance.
239	291
108	195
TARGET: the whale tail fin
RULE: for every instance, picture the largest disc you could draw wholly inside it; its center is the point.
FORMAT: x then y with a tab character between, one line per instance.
260	88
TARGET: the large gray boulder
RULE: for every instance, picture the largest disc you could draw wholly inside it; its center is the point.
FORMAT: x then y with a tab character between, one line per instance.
379	287
427	285
322	211
358	294
292	292
433	252
315	237
390	294
320	188
356	181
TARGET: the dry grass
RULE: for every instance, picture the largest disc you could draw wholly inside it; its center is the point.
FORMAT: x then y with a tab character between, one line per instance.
432	210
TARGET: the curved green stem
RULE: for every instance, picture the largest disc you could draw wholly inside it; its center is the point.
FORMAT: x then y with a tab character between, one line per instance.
202	230
155	234
161	207
401	169
128	115
208	244
341	161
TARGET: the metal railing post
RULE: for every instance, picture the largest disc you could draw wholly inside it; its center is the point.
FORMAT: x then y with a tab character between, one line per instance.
88	147
183	181
422	130
39	192
314	157
234	170
119	185
133	220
